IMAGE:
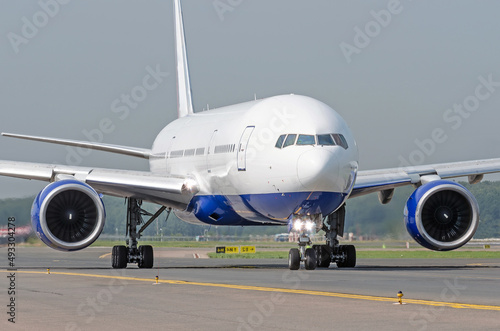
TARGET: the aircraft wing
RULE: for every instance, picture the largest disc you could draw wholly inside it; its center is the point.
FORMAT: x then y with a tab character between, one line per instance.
175	192
130	151
371	181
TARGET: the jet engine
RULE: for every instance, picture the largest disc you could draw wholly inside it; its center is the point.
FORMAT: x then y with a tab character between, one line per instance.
441	215
68	215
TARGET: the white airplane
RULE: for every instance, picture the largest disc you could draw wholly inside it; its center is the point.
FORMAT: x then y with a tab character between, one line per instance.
287	159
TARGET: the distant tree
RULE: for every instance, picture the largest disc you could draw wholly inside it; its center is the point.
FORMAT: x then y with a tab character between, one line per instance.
365	216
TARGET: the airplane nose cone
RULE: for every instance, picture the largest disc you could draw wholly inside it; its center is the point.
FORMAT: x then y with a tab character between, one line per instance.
317	170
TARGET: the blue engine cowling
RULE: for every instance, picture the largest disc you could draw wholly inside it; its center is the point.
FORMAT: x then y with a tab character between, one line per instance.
68	215
441	215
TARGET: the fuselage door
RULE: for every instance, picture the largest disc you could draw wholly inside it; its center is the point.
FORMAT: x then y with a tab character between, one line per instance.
210	151
242	148
167	155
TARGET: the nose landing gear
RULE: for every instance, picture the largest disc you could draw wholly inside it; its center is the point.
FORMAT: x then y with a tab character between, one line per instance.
322	255
307	255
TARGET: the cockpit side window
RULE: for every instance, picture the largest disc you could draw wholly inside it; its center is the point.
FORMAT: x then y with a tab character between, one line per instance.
290	140
340	140
305	139
280	141
325	140
344	141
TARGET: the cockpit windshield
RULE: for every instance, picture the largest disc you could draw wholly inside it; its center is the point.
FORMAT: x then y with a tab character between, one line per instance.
305	139
290	140
328	139
325	140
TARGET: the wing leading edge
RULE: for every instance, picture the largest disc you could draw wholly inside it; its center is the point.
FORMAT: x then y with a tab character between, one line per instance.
175	192
371	181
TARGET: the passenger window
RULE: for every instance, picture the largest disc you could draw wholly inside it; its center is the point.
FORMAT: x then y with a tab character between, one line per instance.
305	139
325	140
280	141
290	140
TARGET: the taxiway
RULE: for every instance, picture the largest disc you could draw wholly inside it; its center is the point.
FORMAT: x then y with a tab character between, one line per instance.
82	292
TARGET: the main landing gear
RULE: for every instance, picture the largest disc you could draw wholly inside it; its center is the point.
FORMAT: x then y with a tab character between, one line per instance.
322	255
142	255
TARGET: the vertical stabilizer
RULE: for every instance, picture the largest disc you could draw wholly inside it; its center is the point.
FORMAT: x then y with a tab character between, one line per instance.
184	100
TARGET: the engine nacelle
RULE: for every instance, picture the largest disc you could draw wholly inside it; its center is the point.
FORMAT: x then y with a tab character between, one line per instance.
68	215
441	215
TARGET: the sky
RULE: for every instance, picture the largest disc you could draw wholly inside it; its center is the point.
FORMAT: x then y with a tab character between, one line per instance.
418	82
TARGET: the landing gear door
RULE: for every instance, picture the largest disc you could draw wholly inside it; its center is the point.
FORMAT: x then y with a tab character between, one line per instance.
242	148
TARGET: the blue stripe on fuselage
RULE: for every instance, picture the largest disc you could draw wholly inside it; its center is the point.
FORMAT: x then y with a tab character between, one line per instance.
256	209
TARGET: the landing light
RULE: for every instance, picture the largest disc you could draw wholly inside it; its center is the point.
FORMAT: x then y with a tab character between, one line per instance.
300	225
309	225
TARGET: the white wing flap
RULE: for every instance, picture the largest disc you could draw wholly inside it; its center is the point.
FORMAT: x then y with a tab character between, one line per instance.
24	170
379	180
173	192
168	191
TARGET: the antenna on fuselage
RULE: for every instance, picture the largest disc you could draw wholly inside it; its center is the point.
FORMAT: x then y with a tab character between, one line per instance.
184	99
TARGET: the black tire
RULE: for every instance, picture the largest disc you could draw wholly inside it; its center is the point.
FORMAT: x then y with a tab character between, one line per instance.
323	255
349	252
294	259
351	256
147	257
119	257
341	251
311	259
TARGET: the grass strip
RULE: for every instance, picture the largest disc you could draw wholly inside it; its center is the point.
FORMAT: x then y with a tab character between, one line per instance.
375	255
256	255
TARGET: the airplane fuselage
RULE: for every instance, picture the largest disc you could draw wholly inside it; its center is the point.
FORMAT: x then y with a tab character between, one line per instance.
247	175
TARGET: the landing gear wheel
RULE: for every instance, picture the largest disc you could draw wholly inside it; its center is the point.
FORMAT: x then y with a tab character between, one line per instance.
311	260
146	253
323	256
294	259
349	256
119	257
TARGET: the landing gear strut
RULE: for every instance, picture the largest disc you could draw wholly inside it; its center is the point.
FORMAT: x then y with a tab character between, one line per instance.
142	255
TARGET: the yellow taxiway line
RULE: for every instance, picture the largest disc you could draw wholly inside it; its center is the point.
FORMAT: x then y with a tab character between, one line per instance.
277	290
105	255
